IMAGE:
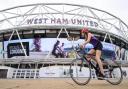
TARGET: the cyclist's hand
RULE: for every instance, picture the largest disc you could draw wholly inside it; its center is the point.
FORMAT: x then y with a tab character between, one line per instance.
81	46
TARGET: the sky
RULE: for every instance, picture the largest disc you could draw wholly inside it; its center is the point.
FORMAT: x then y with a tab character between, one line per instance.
115	7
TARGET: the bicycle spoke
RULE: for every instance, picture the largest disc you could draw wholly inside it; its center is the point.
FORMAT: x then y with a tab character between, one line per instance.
81	72
113	73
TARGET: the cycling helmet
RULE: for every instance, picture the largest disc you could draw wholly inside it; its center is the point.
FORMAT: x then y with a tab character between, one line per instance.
84	30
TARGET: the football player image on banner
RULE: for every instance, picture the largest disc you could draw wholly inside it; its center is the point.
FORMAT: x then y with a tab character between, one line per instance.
37	43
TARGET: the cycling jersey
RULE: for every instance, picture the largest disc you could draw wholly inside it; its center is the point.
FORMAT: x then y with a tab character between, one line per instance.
96	43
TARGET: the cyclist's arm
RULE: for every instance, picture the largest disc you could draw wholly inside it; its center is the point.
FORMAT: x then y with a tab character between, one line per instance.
88	39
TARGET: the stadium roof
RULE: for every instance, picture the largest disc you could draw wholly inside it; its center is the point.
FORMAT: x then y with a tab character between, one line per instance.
58	15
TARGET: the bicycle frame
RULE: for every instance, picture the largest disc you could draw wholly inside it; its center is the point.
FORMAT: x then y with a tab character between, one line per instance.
95	66
84	57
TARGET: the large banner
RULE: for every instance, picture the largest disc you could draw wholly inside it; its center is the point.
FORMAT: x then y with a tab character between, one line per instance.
41	47
15	49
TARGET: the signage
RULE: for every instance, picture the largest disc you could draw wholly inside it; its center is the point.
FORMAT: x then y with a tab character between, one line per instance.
61	21
15	49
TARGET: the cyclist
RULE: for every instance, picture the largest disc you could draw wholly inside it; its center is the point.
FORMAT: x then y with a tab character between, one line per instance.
97	48
56	49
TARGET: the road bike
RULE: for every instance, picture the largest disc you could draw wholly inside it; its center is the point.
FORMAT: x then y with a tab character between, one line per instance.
81	69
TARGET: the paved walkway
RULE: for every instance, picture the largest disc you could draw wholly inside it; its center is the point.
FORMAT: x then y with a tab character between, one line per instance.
57	84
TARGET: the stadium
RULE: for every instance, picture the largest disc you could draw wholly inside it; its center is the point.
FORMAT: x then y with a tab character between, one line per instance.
29	32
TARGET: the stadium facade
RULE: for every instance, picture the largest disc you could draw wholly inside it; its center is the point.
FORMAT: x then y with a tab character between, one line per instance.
28	33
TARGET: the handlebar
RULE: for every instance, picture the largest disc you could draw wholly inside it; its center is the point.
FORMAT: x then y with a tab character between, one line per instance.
80	50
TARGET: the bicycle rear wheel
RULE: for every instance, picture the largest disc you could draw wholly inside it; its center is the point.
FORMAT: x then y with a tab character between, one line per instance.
113	73
80	71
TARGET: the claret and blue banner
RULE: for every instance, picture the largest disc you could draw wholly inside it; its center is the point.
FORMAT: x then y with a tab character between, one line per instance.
41	47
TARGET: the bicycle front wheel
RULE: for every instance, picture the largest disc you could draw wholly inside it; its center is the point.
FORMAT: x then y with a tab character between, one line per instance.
113	73
80	71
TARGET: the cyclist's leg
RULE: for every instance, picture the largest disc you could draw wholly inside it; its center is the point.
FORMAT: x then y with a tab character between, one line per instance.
92	51
55	54
98	55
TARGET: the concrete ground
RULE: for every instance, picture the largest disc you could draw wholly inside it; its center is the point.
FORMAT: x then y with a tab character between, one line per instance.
63	83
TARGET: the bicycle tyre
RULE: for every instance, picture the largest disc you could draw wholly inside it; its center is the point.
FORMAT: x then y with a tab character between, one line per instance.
80	73
114	73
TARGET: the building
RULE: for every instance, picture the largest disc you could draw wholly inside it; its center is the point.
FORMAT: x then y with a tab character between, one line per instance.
28	33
